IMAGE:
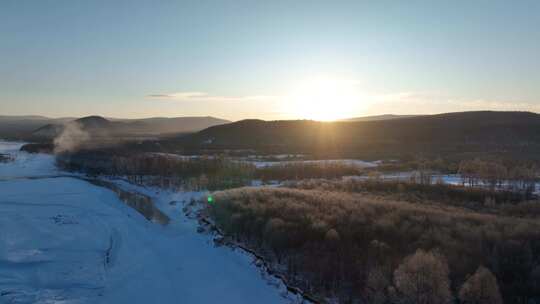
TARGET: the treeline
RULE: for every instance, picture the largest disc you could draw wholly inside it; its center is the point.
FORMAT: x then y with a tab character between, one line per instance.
496	175
361	248
493	174
304	170
437	164
198	172
163	170
218	172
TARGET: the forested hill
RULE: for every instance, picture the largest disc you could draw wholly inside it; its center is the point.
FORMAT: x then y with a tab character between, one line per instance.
462	132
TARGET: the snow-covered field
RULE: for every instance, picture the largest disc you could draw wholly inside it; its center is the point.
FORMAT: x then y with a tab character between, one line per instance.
64	240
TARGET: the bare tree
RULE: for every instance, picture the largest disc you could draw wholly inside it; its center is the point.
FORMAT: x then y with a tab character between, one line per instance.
422	278
377	283
481	288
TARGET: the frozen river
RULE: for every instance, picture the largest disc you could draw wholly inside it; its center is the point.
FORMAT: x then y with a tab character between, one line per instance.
65	240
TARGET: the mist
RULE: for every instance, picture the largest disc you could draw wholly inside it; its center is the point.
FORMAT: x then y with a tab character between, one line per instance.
71	138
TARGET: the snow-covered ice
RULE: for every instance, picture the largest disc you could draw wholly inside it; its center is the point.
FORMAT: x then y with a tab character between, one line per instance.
64	240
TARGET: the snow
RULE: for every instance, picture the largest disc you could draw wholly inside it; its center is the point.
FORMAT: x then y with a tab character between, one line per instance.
276	156
349	162
10	146
25	164
65	240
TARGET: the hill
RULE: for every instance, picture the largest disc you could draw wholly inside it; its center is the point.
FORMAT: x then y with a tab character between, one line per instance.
19	127
164	125
450	133
99	126
378	117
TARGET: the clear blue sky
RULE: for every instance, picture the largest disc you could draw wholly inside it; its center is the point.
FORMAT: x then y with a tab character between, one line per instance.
75	57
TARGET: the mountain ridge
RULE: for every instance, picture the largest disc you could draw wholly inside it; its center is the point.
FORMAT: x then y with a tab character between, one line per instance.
148	126
488	131
378	117
43	128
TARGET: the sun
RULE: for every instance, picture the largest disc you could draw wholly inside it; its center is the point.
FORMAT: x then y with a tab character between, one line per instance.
324	99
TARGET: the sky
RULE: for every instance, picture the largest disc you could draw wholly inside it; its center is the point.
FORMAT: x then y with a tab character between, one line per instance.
267	59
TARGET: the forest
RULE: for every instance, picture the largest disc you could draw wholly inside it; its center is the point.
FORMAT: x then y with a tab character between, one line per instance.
347	244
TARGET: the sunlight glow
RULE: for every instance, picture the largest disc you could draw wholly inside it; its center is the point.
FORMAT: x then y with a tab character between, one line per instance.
325	99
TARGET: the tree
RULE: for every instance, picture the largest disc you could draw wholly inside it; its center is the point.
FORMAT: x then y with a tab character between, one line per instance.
422	278
481	288
523	179
493	174
276	236
468	169
534	282
377	283
332	237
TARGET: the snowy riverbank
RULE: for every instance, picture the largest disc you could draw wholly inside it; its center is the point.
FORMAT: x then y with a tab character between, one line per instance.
65	240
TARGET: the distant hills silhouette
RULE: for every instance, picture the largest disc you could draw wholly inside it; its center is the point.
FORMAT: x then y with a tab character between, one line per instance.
462	135
449	133
43	128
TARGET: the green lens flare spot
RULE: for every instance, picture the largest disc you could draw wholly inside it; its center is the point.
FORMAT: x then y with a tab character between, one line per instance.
210	200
